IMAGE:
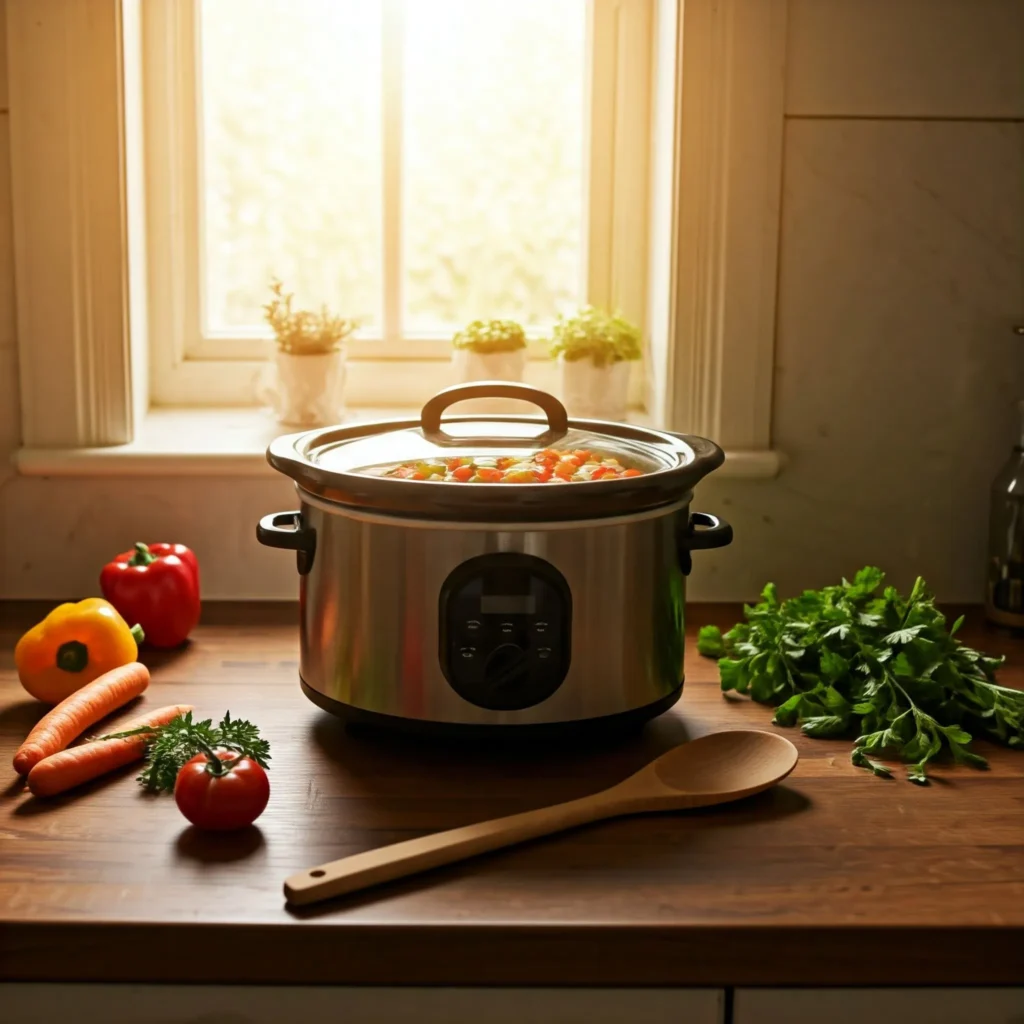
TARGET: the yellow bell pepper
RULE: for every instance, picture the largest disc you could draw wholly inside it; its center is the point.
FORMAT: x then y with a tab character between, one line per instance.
72	646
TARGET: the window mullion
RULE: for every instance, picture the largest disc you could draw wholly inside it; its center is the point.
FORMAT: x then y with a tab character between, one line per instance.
600	145
392	43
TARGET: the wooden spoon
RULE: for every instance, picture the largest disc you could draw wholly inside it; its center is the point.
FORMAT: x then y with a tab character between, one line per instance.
714	769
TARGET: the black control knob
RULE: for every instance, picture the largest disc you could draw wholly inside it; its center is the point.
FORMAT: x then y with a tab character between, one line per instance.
506	667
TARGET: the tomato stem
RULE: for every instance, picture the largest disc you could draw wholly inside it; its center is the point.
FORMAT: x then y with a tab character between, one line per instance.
214	765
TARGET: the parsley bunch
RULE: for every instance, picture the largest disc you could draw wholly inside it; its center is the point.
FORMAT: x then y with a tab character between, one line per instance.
882	668
170	746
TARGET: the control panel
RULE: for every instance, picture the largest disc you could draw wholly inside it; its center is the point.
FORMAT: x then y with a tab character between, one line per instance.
505	623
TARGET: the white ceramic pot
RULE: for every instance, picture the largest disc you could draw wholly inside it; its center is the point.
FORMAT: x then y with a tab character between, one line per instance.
473	366
595	392
305	390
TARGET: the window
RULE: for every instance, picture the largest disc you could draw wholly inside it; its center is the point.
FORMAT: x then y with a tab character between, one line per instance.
414	163
677	193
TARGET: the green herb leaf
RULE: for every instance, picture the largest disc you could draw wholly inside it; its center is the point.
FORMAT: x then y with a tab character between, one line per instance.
734	674
789	710
956	734
709	642
861	760
824	726
833	665
902	636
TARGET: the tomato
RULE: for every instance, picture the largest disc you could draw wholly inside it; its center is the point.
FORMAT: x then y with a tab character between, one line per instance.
221	803
632	472
488	475
602	471
463	473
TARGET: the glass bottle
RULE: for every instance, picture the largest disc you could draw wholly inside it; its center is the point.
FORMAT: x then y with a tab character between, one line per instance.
1004	593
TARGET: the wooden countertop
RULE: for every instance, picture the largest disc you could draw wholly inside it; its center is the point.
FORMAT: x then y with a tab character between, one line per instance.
834	878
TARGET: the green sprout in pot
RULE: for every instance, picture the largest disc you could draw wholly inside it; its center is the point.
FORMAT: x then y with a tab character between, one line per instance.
603	338
301	332
487	337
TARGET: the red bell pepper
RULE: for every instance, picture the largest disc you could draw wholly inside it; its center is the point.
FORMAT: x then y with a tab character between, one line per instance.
157	586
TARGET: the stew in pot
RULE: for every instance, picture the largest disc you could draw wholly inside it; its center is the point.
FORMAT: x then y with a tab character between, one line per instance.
550	466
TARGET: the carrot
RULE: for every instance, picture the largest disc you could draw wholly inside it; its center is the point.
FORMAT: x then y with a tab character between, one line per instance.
72	767
85	707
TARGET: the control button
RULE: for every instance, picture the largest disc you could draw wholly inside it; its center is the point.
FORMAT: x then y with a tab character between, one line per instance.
467	652
507	627
543	652
473	626
540	627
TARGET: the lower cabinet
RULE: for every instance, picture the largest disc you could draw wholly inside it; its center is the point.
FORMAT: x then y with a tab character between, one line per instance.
880	1005
224	1004
253	1004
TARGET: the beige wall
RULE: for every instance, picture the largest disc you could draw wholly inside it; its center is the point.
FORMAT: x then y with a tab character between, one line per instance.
901	270
10	427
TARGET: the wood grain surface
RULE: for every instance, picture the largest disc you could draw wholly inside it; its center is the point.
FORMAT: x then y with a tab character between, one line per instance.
835	877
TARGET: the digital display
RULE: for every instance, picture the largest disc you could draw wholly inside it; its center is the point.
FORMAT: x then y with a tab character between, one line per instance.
508	604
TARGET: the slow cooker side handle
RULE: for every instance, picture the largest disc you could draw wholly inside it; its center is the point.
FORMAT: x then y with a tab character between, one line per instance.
287	530
715	532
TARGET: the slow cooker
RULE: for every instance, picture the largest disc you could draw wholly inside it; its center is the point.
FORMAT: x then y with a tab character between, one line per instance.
497	574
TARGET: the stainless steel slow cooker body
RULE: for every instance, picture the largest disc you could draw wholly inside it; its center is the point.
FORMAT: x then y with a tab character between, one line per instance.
510	613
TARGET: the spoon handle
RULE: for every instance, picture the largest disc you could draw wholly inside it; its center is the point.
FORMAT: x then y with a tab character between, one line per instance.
387	863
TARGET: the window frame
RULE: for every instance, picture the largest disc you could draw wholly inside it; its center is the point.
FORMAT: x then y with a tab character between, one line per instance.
192	367
81	238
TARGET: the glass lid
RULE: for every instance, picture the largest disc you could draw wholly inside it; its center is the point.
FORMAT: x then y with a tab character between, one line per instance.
408	464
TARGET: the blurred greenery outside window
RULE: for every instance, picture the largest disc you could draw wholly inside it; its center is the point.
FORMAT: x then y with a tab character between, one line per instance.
296	100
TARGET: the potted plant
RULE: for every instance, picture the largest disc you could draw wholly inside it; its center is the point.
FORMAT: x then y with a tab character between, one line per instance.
595	349
307	386
489	350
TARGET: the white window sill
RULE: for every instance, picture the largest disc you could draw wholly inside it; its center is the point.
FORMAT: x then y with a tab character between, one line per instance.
233	442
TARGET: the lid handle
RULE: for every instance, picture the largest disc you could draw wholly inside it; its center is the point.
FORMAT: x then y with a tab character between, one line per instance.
430	417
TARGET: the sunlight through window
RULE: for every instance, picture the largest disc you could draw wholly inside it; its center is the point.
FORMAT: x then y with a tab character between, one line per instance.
470	205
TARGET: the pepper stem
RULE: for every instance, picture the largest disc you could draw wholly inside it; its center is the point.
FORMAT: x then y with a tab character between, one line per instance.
72	656
139	634
142	555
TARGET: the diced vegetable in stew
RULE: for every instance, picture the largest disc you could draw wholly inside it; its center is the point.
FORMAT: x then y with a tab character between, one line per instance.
550	466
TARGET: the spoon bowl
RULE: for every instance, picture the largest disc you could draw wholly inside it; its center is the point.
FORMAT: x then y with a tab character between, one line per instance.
714	769
726	765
